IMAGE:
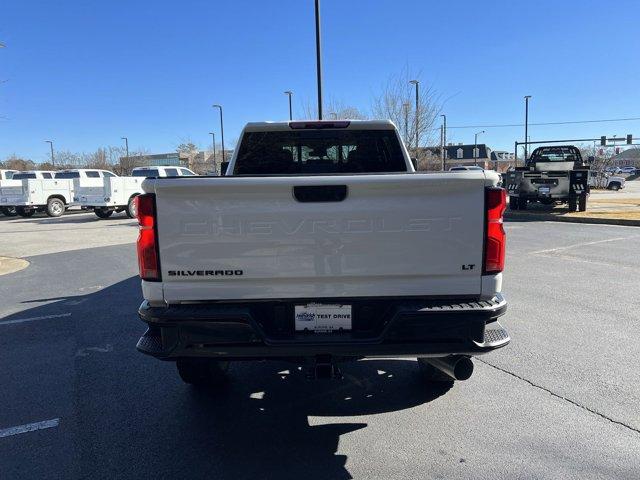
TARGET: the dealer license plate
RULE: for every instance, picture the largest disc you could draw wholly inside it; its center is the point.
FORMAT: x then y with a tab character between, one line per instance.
322	318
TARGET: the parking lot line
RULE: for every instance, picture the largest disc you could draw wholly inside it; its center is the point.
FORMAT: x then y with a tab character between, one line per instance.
29	427
31	319
585	244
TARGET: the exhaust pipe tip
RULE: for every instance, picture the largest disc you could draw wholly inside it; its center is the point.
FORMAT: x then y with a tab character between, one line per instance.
456	367
463	369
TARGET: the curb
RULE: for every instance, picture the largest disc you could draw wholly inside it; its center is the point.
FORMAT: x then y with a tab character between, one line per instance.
548	217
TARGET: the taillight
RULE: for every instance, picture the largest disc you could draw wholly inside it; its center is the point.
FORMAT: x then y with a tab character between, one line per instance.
147	239
495	242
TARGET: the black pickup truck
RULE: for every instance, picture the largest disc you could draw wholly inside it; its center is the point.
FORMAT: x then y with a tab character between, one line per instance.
552	175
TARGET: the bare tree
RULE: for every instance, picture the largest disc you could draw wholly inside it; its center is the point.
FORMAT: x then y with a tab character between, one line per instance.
14	162
398	92
333	109
190	150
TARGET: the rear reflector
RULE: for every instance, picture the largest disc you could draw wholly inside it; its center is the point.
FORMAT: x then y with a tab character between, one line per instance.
148	262
319	124
495	241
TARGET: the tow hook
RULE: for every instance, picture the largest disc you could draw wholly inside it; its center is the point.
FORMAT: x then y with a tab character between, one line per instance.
324	369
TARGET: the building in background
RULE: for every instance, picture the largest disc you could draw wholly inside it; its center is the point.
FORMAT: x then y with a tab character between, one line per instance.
462	155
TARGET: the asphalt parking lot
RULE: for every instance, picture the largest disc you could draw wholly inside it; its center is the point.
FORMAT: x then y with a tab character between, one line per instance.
78	401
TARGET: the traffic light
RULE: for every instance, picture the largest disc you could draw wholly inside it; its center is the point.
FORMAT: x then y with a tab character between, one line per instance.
603	140
629	139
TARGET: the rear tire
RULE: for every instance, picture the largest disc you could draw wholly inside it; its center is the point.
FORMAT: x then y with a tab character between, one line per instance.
202	372
131	209
25	212
103	212
431	374
513	203
582	203
9	211
55	207
614	186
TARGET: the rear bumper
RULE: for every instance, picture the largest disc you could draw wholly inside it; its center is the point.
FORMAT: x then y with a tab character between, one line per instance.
242	331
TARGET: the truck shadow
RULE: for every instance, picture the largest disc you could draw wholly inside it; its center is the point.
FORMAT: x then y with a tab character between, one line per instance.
135	418
272	419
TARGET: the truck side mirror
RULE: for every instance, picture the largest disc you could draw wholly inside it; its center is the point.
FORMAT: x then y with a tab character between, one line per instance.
223	168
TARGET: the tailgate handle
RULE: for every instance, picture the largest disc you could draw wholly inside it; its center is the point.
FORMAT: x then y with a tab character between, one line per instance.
320	193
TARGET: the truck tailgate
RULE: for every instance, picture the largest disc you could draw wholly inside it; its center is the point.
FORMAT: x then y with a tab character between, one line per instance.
250	238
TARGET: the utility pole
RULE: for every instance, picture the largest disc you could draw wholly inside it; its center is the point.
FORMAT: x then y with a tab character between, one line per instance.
126	146
444	142
318	60
53	161
221	130
213	143
417	85
406	107
526	126
289	93
442	146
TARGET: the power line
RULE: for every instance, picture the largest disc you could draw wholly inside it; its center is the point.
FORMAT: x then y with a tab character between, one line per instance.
548	123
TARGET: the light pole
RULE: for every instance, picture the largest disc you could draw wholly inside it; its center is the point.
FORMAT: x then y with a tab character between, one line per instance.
526	125
221	129
406	107
53	162
126	146
318	60
417	84
475	148
289	93
213	143
444	141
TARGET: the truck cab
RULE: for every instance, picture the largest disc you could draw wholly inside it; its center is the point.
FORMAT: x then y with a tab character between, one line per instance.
7	174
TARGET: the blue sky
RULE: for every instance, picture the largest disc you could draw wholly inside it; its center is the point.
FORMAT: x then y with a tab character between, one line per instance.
85	73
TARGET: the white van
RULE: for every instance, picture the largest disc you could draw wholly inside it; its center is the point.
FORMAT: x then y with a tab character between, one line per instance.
119	192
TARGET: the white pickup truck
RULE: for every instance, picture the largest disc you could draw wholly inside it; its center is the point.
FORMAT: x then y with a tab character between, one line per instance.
322	244
118	193
6	180
36	190
51	192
